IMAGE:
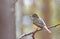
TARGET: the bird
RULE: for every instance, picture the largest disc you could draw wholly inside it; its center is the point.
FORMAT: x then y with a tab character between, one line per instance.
39	22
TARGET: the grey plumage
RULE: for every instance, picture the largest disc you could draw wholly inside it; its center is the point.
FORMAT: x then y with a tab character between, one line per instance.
39	22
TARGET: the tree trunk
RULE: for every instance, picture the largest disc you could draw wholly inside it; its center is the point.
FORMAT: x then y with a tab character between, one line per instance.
46	14
7	19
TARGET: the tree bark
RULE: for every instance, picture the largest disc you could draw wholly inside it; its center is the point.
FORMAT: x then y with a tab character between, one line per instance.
7	19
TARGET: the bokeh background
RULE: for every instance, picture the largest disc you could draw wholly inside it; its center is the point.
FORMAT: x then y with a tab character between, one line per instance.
49	10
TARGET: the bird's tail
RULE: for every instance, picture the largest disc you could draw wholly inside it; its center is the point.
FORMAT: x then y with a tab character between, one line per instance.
47	29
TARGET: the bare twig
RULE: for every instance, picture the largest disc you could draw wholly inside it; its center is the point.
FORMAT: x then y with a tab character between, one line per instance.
29	33
33	33
53	26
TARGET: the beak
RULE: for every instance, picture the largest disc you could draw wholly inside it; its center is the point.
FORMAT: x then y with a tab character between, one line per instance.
47	29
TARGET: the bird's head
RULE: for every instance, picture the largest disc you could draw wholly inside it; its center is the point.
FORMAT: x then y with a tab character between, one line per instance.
35	15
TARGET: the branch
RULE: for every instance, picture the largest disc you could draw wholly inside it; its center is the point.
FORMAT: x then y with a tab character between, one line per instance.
53	26
29	33
33	33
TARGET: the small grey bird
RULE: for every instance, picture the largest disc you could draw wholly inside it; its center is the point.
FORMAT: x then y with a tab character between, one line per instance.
39	22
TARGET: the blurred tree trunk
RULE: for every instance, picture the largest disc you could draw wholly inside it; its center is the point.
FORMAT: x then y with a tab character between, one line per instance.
19	15
55	18
7	19
46	14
